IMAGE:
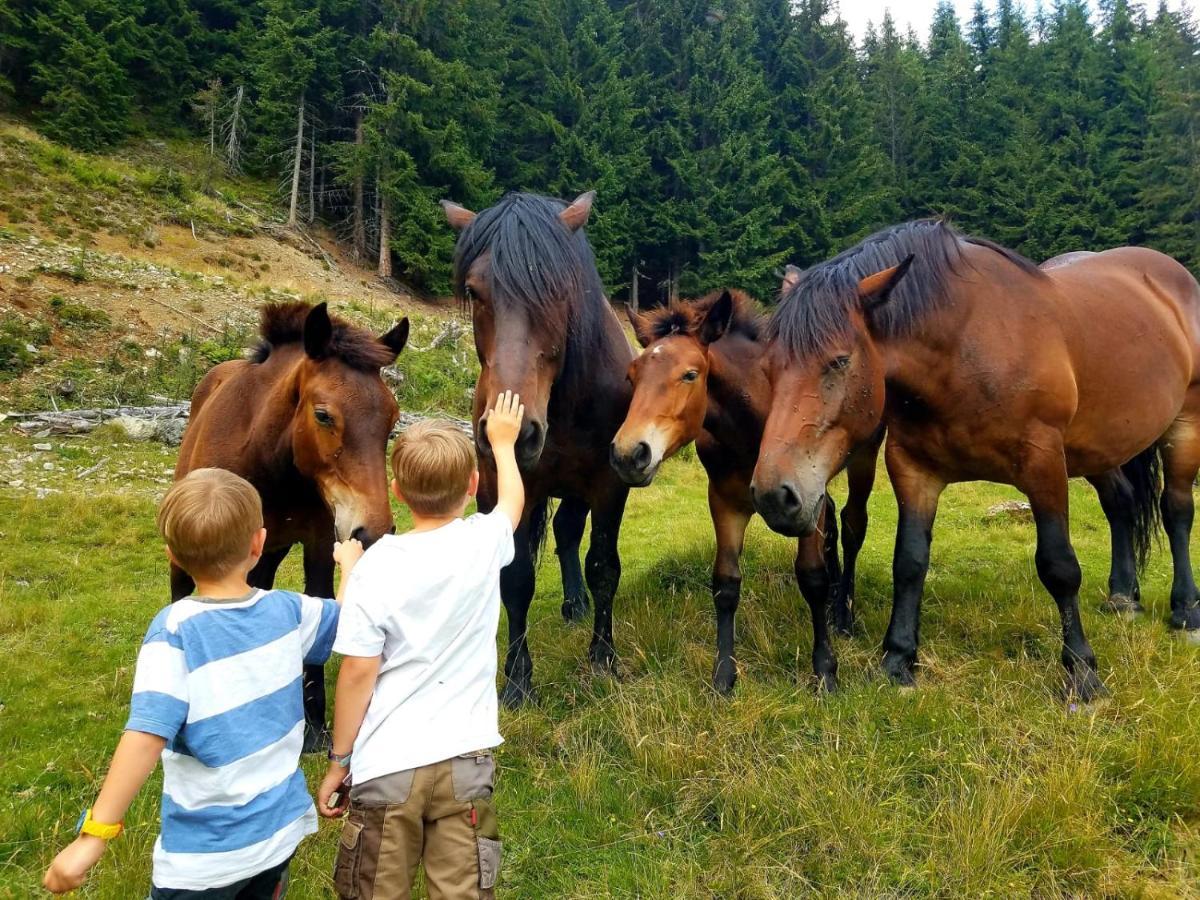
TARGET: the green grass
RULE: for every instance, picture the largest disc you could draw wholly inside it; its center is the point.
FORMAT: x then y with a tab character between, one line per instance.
979	783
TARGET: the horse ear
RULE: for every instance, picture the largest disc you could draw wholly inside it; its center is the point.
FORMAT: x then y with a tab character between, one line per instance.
318	332
459	217
874	290
641	327
791	277
395	339
575	216
716	320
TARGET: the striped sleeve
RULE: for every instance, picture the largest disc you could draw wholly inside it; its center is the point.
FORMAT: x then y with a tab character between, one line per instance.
160	695
318	625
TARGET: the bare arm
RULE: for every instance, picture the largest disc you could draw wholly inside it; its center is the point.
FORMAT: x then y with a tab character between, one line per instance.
135	758
503	426
346	554
356	683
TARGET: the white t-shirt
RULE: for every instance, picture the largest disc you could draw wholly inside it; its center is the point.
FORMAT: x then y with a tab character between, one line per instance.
429	603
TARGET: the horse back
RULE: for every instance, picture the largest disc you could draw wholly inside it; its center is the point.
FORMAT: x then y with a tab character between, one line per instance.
218	408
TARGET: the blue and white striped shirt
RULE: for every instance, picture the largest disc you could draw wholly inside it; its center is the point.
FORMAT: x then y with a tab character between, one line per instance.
222	682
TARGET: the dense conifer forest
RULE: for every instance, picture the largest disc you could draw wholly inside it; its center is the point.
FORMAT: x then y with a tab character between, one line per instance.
724	137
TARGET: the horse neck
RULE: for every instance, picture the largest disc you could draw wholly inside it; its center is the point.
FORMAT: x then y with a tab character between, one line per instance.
738	391
597	373
272	423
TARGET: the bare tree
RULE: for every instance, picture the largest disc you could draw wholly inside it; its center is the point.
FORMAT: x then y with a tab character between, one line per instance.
385	231
299	153
232	132
312	174
358	214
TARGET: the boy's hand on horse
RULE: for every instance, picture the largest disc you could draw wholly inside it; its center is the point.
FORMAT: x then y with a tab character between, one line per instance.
504	423
347	553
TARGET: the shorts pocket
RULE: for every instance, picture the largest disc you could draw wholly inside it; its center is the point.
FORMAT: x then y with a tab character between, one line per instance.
489	862
473	776
386	790
345	869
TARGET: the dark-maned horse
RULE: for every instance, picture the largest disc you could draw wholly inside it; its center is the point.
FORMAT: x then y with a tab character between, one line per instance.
985	367
305	420
544	330
700	379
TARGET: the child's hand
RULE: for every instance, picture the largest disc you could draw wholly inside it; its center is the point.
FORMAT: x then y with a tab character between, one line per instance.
347	553
504	422
70	868
333	782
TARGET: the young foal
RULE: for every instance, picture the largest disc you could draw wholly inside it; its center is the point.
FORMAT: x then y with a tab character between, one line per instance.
545	330
700	379
306	421
985	367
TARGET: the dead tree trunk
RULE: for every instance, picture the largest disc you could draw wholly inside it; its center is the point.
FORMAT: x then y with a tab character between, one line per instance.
359	214
633	290
233	147
295	198
312	175
385	234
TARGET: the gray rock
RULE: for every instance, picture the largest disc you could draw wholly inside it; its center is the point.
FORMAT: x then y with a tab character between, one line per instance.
136	429
43	446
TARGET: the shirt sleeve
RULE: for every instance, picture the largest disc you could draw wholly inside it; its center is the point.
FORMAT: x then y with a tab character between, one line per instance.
160	690
497	536
359	632
318	625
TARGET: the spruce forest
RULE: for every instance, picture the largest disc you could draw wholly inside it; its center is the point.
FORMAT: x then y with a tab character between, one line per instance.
724	138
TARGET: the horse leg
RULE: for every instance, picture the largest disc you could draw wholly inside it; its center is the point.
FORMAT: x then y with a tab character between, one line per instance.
604	573
569	523
829	544
517	581
1180	450
813	577
263	574
318	582
860	480
731	513
1116	499
182	584
1043	478
917	495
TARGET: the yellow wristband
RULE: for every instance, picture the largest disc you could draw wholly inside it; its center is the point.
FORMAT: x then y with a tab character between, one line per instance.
87	825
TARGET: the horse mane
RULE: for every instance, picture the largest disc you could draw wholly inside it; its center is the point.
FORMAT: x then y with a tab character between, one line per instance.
283	323
538	263
815	312
684	316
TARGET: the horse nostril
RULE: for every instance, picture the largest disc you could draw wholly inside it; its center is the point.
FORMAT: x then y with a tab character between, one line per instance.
531	434
642	455
360	534
789	499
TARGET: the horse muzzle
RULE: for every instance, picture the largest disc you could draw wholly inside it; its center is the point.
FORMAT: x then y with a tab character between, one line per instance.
636	466
787	508
531	441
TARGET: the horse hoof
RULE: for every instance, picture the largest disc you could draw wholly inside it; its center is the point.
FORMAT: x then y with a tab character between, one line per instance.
899	670
843	628
575	609
827	683
317	740
1187	620
724	678
1122	605
517	694
1085	686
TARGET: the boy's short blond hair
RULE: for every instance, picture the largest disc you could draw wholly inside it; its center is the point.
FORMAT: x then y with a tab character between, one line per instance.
208	519
432	463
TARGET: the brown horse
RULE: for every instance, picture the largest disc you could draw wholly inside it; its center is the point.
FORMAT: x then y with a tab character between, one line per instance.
985	367
305	420
544	330
700	379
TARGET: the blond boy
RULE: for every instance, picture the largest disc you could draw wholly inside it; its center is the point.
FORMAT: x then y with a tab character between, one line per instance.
415	715
218	697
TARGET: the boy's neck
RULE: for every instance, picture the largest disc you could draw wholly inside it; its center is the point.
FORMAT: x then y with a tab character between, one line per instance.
231	587
431	523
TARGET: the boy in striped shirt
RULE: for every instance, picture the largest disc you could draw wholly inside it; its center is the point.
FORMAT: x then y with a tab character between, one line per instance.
218	697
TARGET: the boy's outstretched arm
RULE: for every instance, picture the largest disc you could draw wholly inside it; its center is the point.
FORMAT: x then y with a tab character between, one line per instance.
355	685
135	758
503	427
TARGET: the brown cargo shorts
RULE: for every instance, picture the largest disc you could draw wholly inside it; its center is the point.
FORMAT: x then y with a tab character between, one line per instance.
440	814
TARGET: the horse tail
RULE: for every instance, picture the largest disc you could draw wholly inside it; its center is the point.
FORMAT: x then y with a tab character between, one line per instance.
539	518
1144	472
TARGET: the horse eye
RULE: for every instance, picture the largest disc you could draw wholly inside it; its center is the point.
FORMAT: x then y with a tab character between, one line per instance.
836	365
323	417
690	375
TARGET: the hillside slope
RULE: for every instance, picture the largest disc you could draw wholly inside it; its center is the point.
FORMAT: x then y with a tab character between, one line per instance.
124	276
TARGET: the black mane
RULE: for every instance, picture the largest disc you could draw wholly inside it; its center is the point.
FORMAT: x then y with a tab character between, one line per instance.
536	264
815	313
684	316
283	323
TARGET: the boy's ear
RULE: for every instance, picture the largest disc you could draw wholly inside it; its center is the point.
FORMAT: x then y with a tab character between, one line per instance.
258	542
473	485
171	556
395	486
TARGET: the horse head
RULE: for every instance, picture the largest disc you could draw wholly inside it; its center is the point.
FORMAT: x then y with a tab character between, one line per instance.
670	385
343	415
521	266
827	390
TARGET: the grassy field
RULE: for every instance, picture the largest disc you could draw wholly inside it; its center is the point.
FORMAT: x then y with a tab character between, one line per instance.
979	783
